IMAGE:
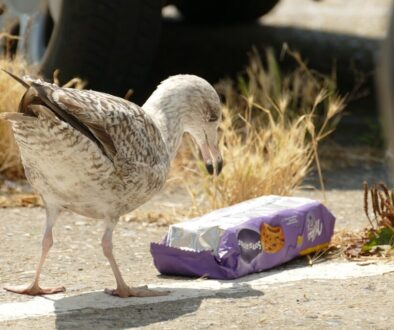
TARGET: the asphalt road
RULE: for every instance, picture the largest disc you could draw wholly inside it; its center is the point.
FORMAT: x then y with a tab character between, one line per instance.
331	294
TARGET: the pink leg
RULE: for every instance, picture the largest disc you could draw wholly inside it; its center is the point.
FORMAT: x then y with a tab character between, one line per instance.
122	289
34	289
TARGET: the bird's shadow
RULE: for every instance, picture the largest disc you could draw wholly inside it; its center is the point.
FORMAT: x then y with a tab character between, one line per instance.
88	310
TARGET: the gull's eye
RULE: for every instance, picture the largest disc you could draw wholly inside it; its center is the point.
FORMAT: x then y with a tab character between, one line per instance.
213	117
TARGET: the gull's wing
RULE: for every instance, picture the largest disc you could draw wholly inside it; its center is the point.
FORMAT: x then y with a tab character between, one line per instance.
121	129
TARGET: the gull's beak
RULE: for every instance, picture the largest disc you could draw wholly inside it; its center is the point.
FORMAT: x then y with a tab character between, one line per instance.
212	158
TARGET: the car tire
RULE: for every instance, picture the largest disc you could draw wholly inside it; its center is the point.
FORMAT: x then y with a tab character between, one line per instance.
223	11
108	43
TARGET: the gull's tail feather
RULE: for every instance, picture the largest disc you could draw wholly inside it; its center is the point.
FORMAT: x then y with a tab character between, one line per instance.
16	116
19	80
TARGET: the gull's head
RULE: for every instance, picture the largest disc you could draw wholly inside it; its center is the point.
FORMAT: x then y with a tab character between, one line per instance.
187	103
201	117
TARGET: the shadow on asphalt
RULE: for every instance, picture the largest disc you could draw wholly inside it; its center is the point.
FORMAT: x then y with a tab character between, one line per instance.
138	314
351	178
218	51
241	282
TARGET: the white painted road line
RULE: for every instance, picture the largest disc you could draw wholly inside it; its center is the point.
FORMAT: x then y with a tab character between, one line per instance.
187	289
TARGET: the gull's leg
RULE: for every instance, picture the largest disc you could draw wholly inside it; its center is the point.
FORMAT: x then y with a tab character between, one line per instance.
122	289
34	289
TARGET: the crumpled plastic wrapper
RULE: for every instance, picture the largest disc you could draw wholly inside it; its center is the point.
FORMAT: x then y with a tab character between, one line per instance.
248	237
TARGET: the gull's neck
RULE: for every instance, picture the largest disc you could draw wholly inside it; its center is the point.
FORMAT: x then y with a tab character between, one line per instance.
167	113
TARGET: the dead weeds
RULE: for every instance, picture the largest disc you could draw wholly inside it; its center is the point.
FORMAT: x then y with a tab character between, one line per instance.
17	193
378	239
269	135
10	95
20	200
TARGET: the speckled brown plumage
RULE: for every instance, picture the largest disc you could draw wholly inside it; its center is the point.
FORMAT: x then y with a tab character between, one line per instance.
103	177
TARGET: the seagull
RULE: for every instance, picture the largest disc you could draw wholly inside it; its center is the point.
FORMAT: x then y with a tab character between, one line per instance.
102	156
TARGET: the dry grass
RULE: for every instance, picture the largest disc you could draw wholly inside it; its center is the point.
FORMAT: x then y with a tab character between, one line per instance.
10	95
378	239
20	200
380	236
271	128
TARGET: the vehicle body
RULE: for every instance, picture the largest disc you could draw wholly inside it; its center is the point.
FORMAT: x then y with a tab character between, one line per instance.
109	43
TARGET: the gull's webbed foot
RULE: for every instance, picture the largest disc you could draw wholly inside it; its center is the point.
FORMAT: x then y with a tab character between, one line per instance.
34	290
141	291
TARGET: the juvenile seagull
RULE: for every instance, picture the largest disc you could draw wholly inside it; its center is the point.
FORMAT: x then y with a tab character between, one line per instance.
102	156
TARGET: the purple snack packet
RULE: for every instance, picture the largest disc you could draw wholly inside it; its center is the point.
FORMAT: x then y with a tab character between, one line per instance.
245	238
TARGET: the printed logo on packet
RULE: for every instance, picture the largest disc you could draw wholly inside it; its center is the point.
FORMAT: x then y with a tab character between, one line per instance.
314	227
249	243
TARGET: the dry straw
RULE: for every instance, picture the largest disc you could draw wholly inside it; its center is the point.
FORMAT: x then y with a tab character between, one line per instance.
10	95
271	128
382	202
